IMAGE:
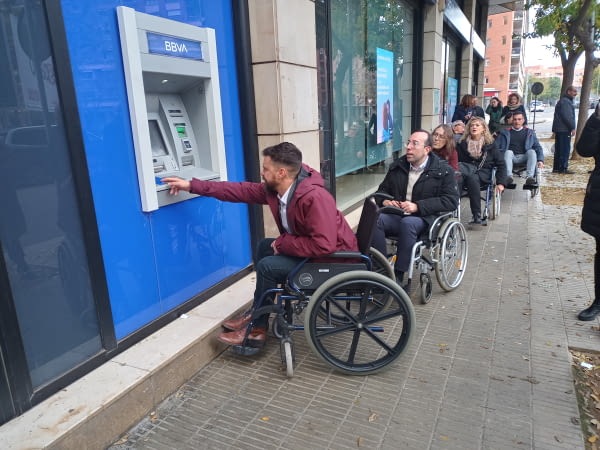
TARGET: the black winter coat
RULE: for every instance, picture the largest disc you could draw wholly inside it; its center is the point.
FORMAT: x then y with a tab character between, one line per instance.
434	192
564	115
588	146
491	157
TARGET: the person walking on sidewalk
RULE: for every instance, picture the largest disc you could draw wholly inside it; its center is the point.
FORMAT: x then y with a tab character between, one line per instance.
563	127
477	155
520	146
309	224
589	146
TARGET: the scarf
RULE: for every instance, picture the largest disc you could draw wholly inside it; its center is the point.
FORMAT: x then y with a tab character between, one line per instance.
474	147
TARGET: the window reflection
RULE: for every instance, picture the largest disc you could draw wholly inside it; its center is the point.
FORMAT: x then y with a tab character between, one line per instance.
40	227
372	80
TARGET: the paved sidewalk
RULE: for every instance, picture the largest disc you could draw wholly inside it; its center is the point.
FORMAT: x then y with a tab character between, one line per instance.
489	367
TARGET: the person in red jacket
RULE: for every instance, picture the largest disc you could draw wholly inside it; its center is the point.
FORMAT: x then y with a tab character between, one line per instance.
309	223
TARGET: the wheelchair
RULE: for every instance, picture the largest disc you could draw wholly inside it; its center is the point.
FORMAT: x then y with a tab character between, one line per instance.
520	171
491	197
443	249
356	318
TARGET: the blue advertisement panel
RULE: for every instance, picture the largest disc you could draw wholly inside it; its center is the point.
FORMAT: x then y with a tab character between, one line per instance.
385	94
154	261
451	97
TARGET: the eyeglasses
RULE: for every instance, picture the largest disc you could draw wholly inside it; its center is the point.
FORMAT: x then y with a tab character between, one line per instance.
438	136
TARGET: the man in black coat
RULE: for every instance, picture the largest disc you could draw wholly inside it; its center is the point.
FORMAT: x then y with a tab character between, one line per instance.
588	146
422	185
563	127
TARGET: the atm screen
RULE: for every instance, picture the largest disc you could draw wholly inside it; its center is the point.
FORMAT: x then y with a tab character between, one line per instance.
156	139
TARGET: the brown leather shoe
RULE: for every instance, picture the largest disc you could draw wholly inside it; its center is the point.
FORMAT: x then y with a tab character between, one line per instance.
237	324
256	337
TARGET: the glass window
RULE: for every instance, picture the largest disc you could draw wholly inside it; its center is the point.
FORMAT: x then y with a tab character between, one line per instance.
372	69
40	226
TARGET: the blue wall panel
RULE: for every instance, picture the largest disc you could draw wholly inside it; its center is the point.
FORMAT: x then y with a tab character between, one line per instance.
154	261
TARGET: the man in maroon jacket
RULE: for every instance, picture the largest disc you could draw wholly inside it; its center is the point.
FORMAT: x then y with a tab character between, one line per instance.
309	223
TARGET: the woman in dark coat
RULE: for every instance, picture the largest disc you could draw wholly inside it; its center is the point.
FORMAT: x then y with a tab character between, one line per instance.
513	105
588	146
477	155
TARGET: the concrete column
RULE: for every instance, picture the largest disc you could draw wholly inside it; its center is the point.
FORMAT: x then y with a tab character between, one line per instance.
432	67
283	40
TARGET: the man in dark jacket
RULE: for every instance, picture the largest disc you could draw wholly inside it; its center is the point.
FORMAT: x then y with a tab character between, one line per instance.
422	185
588	146
520	146
309	224
563	127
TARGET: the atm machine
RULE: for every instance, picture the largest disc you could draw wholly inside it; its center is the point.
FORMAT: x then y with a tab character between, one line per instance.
174	99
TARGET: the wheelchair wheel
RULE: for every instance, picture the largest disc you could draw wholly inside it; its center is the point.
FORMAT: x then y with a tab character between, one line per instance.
426	288
287	356
495	200
367	340
451	255
378	301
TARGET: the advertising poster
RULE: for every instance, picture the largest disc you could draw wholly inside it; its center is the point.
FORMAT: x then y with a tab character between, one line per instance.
385	95
451	97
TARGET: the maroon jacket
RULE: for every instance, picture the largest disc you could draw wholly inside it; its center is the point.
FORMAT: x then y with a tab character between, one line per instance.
318	228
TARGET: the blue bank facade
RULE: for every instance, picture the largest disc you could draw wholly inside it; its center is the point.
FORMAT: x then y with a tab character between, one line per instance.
84	271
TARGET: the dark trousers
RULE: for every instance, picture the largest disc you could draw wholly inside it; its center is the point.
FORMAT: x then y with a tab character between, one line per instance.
406	229
271	270
562	148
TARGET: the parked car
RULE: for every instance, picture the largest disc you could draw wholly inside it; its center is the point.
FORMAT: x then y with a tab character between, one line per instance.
592	103
536	105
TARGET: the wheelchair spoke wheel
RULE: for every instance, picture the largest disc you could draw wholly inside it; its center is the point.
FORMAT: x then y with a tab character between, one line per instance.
367	339
426	288
287	357
495	206
451	255
378	301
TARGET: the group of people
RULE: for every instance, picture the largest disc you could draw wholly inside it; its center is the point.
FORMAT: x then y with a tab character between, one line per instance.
426	181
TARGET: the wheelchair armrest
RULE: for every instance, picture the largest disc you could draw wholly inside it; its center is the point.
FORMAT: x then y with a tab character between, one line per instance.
343	255
382	196
391	210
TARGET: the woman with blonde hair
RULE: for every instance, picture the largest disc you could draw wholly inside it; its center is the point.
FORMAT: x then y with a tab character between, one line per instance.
477	155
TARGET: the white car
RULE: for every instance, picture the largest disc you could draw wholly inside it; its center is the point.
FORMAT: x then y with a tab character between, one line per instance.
536	106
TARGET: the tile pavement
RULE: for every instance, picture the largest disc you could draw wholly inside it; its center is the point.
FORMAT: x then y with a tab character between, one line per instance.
489	367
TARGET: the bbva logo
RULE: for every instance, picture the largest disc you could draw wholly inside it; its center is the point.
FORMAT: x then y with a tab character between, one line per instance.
172	46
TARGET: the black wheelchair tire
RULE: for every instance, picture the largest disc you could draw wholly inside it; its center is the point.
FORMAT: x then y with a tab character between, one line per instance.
453	233
325	337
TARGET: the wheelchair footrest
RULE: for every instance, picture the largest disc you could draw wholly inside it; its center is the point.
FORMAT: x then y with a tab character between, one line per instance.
530	187
245	350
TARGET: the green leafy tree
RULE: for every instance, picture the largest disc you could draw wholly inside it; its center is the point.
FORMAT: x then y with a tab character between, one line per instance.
551	88
575	26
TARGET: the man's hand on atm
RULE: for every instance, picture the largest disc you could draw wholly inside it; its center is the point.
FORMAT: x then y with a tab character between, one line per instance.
176	184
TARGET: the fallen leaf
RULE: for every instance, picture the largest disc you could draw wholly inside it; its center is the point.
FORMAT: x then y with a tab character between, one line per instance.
373	417
592	439
265	418
122	440
444	438
359	441
153	416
